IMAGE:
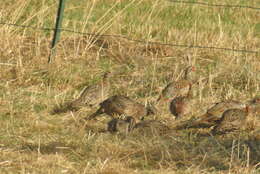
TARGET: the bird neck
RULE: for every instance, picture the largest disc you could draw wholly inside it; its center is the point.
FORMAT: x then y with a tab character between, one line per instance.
248	109
189	95
105	79
187	73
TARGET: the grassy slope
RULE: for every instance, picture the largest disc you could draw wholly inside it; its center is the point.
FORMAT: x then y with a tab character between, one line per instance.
32	140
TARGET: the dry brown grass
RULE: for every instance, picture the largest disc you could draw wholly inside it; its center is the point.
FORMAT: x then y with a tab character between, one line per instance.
34	141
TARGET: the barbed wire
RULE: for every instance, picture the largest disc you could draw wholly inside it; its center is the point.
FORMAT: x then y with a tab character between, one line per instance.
27	26
133	40
215	5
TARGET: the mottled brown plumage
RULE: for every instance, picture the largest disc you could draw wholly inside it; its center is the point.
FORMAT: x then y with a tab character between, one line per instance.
151	127
256	136
181	105
121	126
255	106
93	95
255	109
231	120
214	114
177	88
255	100
90	96
118	105
143	127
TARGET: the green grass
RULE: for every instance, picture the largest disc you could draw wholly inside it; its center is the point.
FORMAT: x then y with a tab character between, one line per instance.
34	141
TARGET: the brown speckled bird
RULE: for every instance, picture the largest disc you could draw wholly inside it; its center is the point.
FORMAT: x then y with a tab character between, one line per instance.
255	100
256	135
93	95
177	88
255	106
119	105
214	114
182	105
90	96
255	109
151	127
231	120
121	126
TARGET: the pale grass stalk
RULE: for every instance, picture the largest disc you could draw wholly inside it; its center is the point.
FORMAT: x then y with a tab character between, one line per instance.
21	163
220	39
39	147
231	157
88	15
18	12
153	76
108	24
8	64
248	158
99	31
150	14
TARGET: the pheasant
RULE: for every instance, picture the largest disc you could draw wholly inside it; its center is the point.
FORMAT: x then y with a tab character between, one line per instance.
93	95
255	135
121	126
255	105
90	96
231	120
151	127
177	88
181	105
212	116
119	105
255	100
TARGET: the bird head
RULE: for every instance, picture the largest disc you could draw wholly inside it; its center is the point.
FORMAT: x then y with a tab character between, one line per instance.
256	100
187	71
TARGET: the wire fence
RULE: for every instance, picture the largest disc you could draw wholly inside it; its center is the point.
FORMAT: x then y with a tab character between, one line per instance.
135	40
151	42
215	5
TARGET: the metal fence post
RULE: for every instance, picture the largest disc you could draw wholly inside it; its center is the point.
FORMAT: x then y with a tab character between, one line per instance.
57	30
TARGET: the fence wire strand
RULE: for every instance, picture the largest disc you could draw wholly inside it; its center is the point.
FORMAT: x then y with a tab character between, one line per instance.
151	42
133	40
214	5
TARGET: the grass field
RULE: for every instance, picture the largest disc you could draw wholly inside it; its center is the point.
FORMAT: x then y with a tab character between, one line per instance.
34	141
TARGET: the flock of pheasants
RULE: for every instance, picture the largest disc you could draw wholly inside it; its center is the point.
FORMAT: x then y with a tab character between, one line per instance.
224	117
